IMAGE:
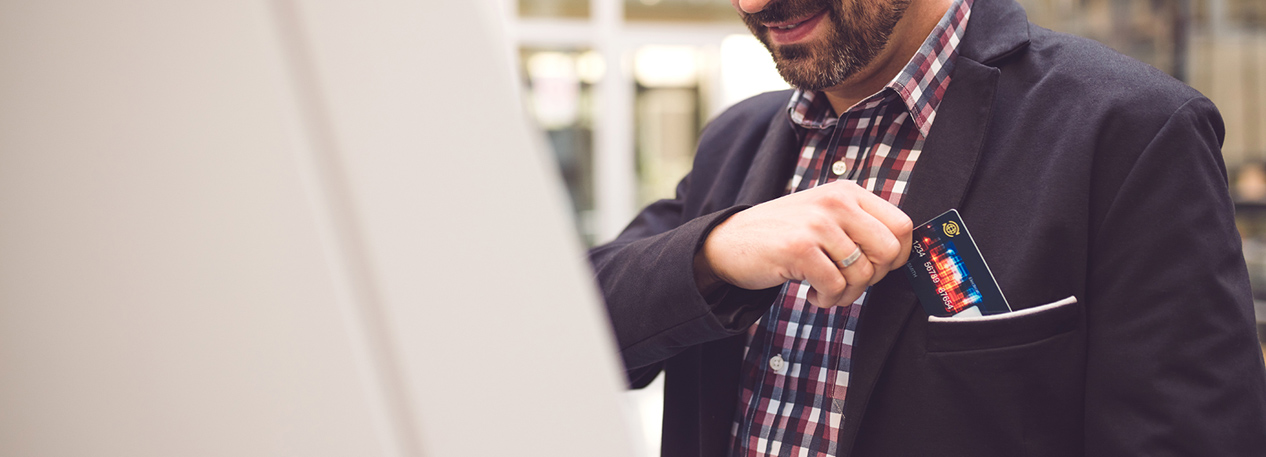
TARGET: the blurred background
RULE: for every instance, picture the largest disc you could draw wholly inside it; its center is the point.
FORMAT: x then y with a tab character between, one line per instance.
621	89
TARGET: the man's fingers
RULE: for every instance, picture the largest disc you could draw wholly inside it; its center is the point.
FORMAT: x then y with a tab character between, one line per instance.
890	215
897	222
838	246
905	251
851	294
860	272
800	236
853	263
882	229
876	240
825	278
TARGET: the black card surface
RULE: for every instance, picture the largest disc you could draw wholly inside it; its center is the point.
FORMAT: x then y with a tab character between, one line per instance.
947	272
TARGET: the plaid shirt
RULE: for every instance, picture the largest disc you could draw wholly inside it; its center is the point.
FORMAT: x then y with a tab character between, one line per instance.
796	366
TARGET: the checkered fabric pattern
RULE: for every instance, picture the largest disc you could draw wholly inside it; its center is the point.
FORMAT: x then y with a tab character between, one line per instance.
796	365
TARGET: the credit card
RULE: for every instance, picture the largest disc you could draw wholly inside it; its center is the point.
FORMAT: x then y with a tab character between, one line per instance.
947	272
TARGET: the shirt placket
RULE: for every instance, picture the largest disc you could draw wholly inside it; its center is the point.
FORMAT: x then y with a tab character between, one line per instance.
788	408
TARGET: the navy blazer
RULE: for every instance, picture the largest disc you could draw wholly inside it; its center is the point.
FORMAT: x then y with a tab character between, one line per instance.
1081	173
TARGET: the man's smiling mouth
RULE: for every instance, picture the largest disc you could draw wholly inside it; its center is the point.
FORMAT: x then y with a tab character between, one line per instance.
793	25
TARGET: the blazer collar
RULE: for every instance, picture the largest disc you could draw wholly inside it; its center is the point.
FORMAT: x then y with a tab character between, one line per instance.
774	163
997	29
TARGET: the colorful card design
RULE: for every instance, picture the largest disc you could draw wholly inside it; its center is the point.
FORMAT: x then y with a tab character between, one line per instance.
947	272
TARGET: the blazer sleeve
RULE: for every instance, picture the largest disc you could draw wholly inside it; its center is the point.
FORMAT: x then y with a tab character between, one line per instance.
1173	364
647	280
646	275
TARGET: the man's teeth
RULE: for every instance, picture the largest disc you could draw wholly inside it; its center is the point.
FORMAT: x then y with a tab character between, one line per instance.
789	27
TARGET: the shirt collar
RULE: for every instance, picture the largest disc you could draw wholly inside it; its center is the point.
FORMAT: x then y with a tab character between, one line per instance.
920	85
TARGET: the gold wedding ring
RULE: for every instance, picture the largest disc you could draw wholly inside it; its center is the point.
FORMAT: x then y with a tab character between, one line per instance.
857	254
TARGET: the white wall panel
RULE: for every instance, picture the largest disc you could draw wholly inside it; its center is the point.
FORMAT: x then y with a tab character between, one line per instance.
245	228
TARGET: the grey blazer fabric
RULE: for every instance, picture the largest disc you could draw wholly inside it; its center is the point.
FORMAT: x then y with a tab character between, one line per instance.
1081	173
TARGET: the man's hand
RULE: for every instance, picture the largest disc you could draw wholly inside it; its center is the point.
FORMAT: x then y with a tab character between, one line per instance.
802	236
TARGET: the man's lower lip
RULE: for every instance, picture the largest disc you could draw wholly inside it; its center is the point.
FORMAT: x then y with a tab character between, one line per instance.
790	36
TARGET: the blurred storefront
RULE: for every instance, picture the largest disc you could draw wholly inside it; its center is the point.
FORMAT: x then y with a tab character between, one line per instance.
643	78
623	87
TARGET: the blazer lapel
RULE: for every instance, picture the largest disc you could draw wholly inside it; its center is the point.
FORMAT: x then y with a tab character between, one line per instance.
940	179
774	163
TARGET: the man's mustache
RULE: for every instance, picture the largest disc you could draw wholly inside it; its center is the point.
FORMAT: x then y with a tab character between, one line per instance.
786	10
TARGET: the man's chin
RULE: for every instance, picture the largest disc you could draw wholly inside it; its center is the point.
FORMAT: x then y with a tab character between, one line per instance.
805	65
807	73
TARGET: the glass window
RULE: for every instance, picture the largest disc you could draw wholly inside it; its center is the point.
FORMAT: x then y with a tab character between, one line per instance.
681	87
666	117
746	69
680	10
559	96
576	9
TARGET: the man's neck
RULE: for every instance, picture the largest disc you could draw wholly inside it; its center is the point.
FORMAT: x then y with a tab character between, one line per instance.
907	36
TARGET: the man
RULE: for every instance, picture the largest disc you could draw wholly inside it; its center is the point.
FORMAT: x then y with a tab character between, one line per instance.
1092	183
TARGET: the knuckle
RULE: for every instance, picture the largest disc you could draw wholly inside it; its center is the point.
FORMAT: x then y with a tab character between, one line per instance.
904	225
843	207
856	273
799	246
902	257
843	199
853	210
888	251
862	272
808	249
830	202
818	222
834	285
867	269
852	295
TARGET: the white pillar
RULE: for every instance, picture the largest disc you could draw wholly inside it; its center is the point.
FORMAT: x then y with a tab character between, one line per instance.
614	175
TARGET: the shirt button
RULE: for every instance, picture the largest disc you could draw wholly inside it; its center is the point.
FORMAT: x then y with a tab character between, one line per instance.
839	168
777	363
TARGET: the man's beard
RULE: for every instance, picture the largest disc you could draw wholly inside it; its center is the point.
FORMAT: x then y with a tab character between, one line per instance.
857	33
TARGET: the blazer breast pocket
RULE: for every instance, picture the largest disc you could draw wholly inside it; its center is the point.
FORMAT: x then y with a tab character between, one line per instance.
1017	328
1015	380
